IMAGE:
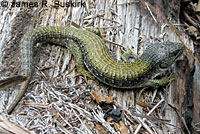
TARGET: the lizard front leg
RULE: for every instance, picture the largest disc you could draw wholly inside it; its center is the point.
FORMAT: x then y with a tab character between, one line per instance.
160	82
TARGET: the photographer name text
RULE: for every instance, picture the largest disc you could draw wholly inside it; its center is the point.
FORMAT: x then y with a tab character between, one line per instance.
43	4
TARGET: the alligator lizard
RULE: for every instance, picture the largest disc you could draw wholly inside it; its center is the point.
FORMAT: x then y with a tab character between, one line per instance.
90	51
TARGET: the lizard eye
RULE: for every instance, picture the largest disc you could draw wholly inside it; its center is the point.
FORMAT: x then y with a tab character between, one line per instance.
175	53
163	65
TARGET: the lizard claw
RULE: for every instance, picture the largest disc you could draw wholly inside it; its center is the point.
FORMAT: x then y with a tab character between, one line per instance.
171	79
86	75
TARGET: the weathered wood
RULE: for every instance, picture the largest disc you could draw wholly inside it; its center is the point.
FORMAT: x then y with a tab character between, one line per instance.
8	127
196	97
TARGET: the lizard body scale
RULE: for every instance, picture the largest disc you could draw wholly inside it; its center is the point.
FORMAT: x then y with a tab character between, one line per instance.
155	60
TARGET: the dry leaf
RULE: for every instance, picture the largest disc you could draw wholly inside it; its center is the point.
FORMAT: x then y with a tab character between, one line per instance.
98	97
109	99
100	129
120	127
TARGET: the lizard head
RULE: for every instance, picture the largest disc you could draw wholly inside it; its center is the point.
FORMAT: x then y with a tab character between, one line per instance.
163	55
167	53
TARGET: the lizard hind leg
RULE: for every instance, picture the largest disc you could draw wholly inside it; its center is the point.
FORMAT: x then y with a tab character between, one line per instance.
126	55
98	32
80	68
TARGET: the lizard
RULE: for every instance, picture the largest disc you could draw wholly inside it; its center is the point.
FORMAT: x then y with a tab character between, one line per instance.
94	61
